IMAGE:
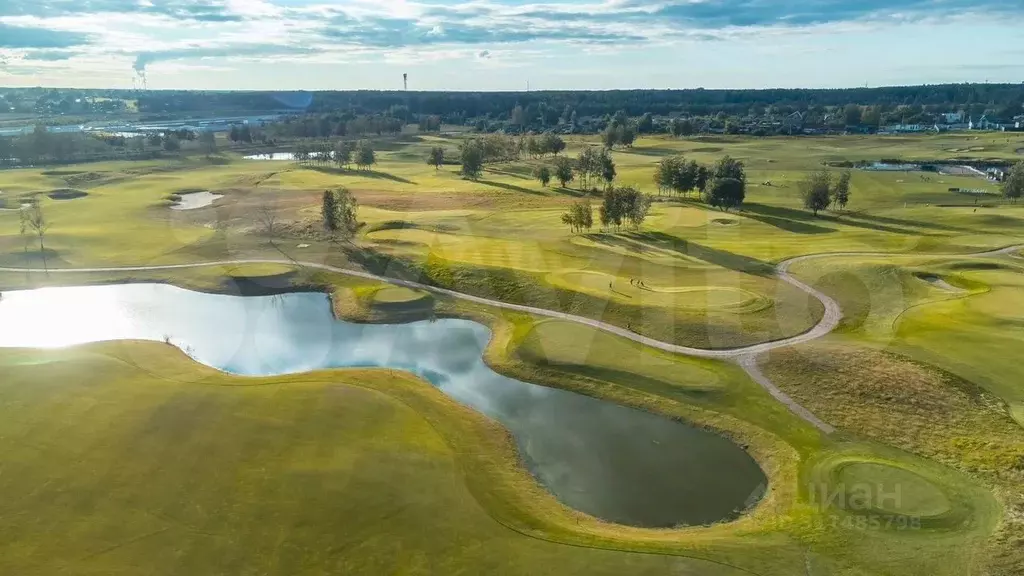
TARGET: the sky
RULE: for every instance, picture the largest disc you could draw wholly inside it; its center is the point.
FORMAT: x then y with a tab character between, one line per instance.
508	44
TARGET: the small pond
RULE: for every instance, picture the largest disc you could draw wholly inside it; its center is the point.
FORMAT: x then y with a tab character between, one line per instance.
616	463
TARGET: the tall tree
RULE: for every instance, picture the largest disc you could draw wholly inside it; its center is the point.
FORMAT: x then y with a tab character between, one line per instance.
665	173
366	157
543	174
841	192
1013	187
816	190
267	218
579	216
436	158
338	208
342	154
472	159
852	115
725	193
329	211
646	124
607	167
563	170
729	167
208	142
39	225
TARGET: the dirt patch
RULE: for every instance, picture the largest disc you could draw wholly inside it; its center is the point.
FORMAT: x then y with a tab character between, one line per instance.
67	194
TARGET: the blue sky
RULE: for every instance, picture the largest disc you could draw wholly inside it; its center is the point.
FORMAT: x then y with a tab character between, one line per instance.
503	44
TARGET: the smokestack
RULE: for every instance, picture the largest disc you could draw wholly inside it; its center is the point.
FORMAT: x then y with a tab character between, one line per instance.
405	81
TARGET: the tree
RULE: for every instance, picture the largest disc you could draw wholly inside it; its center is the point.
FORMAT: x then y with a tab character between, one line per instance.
518	117
233	134
39	225
725	193
342	154
681	127
607	168
563	170
728	167
543	173
329	211
267	218
588	164
646	124
816	190
472	159
339	213
552	144
703	176
24	229
171	143
665	173
365	155
208	142
579	216
852	114
436	158
841	193
1014	185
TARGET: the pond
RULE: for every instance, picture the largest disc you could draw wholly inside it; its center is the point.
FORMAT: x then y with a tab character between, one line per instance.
616	463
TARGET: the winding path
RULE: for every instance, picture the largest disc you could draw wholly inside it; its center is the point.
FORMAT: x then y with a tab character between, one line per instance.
745	356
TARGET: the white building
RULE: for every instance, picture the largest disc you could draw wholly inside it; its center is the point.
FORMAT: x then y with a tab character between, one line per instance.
953	117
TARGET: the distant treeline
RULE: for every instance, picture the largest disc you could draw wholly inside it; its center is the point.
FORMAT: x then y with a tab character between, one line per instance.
697	102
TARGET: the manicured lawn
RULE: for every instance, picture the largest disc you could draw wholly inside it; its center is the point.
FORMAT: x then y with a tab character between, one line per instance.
128	458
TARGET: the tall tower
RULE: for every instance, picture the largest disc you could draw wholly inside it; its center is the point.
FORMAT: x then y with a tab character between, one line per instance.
405	81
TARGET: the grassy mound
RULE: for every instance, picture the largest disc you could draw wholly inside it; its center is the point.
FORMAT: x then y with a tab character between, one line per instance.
112	469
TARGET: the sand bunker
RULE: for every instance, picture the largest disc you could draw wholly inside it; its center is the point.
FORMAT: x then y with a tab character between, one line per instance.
195	200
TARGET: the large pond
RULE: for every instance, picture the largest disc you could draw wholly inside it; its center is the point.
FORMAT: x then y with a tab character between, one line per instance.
616	463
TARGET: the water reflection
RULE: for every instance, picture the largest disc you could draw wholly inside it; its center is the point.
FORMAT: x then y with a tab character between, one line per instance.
616	463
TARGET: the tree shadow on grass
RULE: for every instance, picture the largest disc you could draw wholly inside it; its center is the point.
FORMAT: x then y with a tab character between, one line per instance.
846	216
722	258
363	173
645	242
512	187
523	174
654	151
799	221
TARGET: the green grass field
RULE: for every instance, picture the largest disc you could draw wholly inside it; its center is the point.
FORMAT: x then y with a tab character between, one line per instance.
128	457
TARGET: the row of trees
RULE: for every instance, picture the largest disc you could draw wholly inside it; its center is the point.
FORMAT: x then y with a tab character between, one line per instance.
41	146
340	153
723	186
619	205
548	108
819	190
331	125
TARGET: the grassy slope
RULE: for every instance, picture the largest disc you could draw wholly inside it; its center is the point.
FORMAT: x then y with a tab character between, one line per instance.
874	377
508	220
784	534
112	470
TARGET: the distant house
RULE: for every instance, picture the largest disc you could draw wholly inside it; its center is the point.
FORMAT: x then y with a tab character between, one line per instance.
953	117
983	123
